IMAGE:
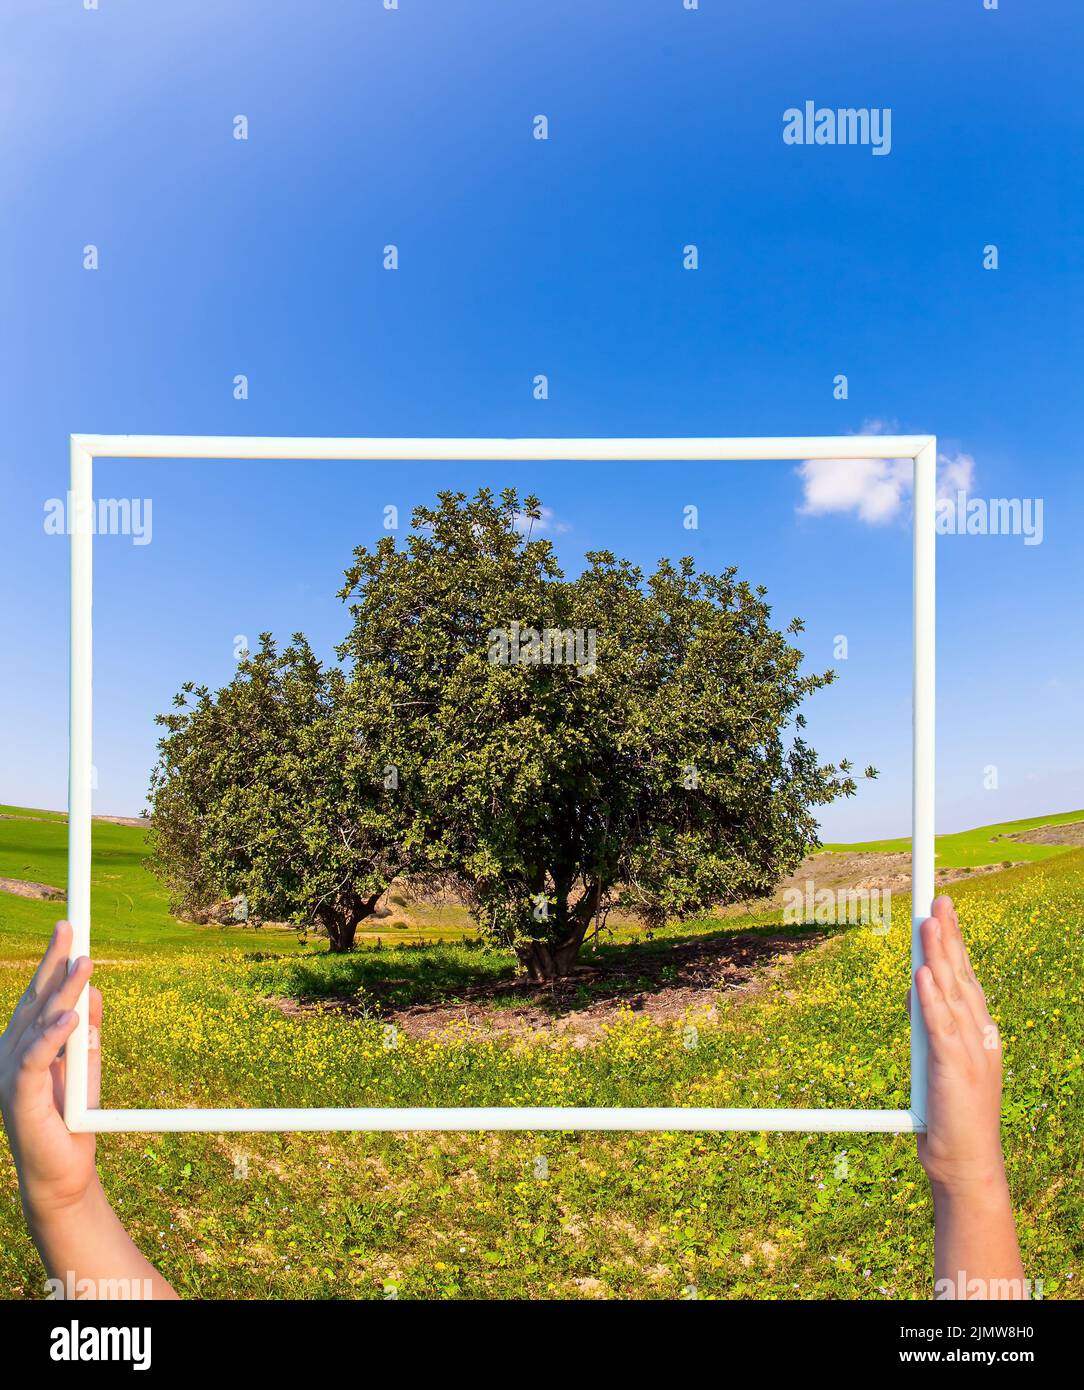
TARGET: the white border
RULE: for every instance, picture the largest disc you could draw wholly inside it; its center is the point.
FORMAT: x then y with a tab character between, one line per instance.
86	447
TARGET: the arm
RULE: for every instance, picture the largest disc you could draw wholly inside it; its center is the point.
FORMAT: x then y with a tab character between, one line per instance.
76	1231
975	1249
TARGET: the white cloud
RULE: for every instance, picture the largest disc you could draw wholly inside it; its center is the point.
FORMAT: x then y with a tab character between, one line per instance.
954	474
537	525
874	490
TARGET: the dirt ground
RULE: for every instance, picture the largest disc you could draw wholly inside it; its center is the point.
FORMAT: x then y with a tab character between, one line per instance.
862	871
682	980
1071	834
141	821
26	888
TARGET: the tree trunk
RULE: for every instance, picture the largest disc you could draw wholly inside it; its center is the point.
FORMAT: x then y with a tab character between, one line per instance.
546	961
340	932
341	915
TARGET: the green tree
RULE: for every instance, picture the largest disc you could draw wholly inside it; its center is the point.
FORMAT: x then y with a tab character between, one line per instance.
614	740
276	787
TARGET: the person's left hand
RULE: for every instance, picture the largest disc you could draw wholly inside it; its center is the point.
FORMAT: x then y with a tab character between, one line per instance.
55	1167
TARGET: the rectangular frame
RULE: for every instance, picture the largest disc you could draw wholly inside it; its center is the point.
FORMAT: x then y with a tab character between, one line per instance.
86	447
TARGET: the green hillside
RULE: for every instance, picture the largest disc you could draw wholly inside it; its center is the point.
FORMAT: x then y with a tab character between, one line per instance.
986	844
128	906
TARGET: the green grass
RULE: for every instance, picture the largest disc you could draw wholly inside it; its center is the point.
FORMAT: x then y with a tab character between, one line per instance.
129	908
562	1215
986	844
537	1216
396	975
24	812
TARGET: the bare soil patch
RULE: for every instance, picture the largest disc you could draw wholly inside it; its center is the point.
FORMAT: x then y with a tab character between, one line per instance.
1071	834
859	871
26	888
142	821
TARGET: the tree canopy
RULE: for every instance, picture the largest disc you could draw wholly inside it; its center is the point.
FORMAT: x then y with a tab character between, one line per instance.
555	747
275	789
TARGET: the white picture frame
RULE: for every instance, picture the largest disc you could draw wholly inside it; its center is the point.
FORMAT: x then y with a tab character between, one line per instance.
87	447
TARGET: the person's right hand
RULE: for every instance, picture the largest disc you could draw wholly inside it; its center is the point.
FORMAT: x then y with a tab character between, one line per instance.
55	1167
962	1143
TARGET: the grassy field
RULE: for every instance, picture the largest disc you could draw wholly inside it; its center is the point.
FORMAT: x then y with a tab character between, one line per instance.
129	908
987	844
193	1016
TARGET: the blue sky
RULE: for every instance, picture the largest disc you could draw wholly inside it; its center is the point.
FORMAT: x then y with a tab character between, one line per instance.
517	256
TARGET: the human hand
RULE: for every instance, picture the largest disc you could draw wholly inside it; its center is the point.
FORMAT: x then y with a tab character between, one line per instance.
976	1254
55	1167
962	1144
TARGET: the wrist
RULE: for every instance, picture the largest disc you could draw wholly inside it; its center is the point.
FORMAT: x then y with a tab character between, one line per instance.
982	1186
44	1208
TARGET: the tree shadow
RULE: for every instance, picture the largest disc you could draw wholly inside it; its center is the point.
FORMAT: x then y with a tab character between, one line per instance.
375	982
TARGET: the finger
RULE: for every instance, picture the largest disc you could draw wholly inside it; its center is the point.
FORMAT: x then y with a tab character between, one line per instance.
963	1005
943	910
941	1024
933	953
94	1045
950	993
54	962
46	979
67	996
956	953
46	1042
